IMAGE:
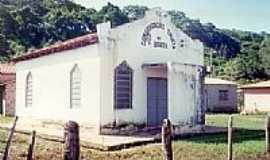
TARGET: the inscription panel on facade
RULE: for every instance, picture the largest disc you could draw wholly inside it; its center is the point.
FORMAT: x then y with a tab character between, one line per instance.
147	37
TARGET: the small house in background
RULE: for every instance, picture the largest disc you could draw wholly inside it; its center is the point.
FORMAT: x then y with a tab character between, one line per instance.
256	97
220	95
7	89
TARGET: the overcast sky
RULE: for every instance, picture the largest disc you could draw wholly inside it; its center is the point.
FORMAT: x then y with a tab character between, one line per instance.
252	15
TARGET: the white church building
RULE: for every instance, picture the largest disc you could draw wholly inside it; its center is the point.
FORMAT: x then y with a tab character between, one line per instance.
140	72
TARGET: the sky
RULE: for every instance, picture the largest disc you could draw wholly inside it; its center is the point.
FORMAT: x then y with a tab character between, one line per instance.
250	15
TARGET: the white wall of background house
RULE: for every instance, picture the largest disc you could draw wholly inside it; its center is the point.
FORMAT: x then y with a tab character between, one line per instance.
51	86
256	99
214	101
124	43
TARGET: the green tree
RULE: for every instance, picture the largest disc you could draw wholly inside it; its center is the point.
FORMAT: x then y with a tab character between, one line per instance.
111	13
264	53
134	12
8	25
252	61
31	30
66	22
5	51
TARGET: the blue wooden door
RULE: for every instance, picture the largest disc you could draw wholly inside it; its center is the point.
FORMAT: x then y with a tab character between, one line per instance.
156	101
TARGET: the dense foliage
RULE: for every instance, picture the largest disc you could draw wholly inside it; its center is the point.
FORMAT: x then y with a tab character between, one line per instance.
30	24
252	63
226	46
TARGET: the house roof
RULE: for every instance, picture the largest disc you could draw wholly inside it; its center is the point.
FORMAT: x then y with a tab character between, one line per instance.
59	47
264	84
7	68
218	81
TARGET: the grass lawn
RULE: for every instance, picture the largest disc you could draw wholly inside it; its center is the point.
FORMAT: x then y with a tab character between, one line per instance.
248	144
248	122
5	119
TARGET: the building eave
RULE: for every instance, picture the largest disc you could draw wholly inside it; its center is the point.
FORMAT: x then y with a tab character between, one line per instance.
74	43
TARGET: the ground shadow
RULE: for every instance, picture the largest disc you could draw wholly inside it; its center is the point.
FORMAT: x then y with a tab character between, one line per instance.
239	135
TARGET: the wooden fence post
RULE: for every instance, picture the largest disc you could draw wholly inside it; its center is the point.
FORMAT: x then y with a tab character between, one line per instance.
10	135
31	145
72	141
267	136
230	143
167	139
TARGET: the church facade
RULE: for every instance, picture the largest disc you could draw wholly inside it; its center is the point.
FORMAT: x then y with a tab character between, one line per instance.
140	72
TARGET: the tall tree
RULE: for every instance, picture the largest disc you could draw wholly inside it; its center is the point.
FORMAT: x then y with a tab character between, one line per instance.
31	27
264	53
66	22
5	51
8	25
135	12
111	13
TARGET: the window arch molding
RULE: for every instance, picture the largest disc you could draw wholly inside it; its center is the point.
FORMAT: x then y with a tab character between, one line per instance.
75	87
29	90
123	86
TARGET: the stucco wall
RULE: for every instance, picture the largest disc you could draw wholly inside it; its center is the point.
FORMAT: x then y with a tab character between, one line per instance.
51	86
214	104
182	98
257	99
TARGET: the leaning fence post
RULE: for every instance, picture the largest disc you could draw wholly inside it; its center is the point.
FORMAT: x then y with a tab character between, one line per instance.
72	141
167	139
230	143
267	135
31	145
10	135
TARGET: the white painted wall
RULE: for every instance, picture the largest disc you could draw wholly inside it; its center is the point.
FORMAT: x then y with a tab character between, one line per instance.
182	94
124	43
212	97
51	86
257	100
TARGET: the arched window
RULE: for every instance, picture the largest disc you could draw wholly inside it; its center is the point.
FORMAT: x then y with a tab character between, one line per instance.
29	90
123	86
75	87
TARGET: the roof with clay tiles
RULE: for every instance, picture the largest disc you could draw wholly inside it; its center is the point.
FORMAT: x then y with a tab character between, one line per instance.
74	43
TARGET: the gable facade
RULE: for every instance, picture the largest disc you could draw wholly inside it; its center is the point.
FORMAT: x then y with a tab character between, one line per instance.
153	40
